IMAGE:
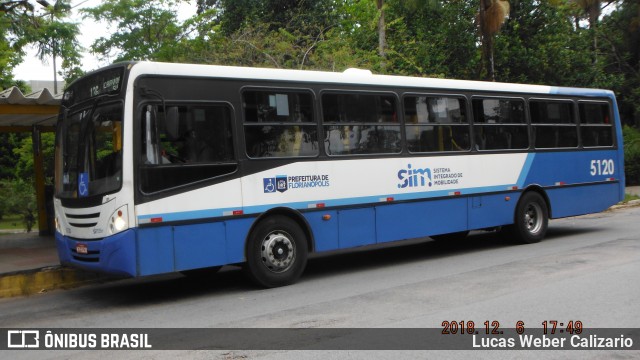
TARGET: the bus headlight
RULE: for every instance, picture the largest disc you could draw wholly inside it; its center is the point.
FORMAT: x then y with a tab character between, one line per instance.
119	220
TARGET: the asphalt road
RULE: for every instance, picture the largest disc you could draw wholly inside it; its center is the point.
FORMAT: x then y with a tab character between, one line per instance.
587	269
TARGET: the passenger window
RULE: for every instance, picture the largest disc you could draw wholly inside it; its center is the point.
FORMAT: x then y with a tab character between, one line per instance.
553	124
595	124
500	124
360	124
436	123
279	124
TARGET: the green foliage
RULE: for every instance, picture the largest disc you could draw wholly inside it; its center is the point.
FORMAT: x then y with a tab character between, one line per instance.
630	197
11	53
9	58
8	159
22	26
23	155
239	33
53	36
303	16
631	139
619	36
143	30
433	38
18	198
539	44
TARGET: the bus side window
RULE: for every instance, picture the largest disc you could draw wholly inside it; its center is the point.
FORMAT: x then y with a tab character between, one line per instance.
500	124
279	123
553	124
436	123
595	124
360	124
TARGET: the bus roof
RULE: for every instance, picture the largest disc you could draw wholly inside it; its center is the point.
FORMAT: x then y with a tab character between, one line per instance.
351	77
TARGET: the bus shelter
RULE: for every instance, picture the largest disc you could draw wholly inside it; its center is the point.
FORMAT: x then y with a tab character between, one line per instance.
34	113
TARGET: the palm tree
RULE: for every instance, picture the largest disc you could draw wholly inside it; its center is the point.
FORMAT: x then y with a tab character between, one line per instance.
382	35
491	16
53	37
592	9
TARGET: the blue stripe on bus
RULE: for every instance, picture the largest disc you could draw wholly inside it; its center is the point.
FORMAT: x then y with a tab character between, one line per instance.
525	170
580	92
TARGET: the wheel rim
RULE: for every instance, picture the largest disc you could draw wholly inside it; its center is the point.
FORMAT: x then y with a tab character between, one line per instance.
278	251
533	218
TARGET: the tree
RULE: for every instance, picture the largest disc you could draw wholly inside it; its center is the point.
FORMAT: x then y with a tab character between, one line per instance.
278	14
22	200
205	5
54	37
620	36
23	153
9	159
281	34
592	9
50	33
631	155
144	30
11	40
491	16
382	37
540	45
351	39
432	38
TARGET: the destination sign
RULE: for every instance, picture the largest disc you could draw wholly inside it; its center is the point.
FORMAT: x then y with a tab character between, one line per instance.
100	83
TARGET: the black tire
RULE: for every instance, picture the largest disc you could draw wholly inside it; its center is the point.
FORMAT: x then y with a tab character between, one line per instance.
531	219
276	252
456	236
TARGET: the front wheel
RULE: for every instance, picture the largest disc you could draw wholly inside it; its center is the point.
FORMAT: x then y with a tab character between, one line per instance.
276	252
531	219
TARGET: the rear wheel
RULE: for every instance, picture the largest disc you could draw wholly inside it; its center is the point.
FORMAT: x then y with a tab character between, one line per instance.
531	219
276	252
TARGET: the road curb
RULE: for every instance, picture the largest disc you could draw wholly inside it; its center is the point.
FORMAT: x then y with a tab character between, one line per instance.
632	203
45	279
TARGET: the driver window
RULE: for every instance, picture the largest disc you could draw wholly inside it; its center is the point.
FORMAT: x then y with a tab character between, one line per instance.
198	134
187	144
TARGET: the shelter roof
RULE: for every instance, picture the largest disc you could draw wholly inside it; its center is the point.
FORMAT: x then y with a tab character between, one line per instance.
19	112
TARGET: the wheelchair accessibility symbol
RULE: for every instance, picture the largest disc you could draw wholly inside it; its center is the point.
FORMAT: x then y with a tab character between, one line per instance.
278	183
269	185
83	184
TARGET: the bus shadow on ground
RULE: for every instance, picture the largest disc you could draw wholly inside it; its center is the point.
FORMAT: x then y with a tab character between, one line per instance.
231	279
425	249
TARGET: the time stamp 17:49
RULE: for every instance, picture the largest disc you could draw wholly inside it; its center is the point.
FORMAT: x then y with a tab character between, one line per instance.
549	327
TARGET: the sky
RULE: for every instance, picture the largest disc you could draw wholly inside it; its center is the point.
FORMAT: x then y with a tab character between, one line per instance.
34	69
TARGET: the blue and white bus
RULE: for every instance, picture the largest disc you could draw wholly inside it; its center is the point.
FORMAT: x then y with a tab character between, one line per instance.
173	167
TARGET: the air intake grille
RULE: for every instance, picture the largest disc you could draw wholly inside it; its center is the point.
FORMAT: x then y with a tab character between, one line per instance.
83	220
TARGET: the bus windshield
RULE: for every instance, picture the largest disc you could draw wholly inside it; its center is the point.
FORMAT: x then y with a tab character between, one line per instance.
89	146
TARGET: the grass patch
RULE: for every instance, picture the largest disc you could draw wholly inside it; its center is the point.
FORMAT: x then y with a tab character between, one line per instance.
13	222
629	197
